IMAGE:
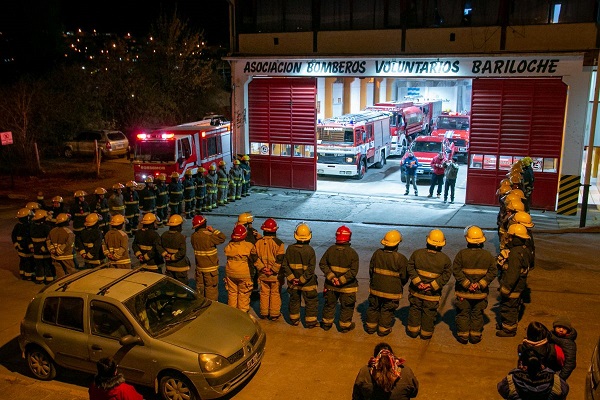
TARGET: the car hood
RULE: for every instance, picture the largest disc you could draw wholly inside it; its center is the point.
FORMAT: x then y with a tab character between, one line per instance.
219	329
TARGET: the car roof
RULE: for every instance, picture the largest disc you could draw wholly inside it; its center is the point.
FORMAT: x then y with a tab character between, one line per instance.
429	138
119	284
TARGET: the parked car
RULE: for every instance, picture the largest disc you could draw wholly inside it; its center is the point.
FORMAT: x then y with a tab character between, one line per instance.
425	148
592	381
110	144
161	333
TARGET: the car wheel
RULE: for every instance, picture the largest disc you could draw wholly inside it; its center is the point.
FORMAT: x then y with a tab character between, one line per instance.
362	169
68	152
175	387
40	364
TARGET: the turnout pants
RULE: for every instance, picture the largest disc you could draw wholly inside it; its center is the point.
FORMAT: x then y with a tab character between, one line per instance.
421	316
64	267
311	305
509	313
380	314
238	292
347	302
469	317
270	298
207	284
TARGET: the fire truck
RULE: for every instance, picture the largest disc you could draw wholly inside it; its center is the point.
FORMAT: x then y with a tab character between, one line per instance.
431	111
347	145
455	127
180	148
406	123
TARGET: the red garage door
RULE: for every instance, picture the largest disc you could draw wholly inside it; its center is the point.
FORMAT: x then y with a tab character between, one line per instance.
511	119
281	119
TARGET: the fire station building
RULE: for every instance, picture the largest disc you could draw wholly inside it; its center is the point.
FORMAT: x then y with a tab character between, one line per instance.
525	74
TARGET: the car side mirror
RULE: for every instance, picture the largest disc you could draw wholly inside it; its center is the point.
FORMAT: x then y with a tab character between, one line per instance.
130	340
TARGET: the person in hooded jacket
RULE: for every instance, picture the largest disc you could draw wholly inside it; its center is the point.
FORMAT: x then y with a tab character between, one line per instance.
109	384
564	336
537	339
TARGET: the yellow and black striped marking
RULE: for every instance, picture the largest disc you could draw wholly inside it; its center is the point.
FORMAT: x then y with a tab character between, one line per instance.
568	194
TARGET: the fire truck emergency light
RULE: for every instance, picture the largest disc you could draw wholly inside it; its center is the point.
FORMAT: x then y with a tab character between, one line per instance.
168	135
141	136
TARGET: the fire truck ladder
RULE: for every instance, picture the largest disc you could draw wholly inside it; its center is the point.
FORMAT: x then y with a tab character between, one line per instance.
351	119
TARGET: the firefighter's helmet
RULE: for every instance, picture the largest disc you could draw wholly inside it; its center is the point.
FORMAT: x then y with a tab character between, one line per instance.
117	220
62	217
32	206
201	170
175	220
222	163
270	225
516	168
519	231
149	179
515	179
245	157
92	219
149	218
523	218
39	214
474	235
519	193
504	181
188	172
131	184
518	162
162	177
118	186
212	167
100	190
239	233
236	162
175	175
80	193
245	218
57	199
197	221
392	238
343	234
23	212
503	189
515	206
526	161
436	238
302	232
511	196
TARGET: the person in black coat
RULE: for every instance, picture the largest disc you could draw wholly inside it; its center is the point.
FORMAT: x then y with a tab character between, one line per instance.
564	335
537	340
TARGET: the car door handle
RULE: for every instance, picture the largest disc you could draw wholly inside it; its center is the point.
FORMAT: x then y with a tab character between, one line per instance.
47	336
96	347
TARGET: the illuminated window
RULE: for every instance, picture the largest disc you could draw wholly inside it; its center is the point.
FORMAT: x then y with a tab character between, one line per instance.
489	161
476	161
259	148
309	151
550	165
505	162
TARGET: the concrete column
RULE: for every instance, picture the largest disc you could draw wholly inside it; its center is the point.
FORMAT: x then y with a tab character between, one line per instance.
376	89
390	90
347	106
595	160
363	93
239	121
328	106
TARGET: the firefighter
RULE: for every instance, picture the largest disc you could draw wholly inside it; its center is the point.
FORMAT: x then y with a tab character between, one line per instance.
58	207
189	194
175	194
429	269
101	208
21	239
162	199
148	197
200	181
245	166
116	244
222	183
115	201
246	219
387	277
174	250
523	218
89	243
474	269
270	251
513	205
240	255
528	180
146	245
44	271
60	242
501	192
32	206
41	202
340	267
513	280
211	188
205	240
131	199
79	211
236	180
299	269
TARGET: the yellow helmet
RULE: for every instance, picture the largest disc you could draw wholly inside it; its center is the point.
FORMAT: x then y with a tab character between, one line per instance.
162	177
245	218
436	238
117	220
515	178
212	167
516	168
302	232
175	220
92	219
100	190
515	206
518	192
245	157
392	238
188	172
80	193
236	162
117	186
201	170
62	217
131	184
474	235
526	161
518	162
521	217
149	218
222	163
32	206
149	179
519	231
503	189
504	181
23	212
175	174
57	199
512	197
39	214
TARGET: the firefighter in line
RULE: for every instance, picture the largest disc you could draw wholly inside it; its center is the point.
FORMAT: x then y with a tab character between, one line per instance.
513	280
100	207
116	244
523	218
60	242
241	255
79	211
474	269
131	199
41	202
205	240
340	267
175	195
173	249
246	219
21	239
387	276
115	201
89	243
528	181
44	271
162	199
245	166
513	206
429	269
58	207
211	188
299	269
222	183
148	197
236	181
501	192
270	251
146	245
189	194
200	182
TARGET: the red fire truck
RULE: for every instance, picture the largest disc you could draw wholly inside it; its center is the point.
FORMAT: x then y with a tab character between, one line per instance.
406	123
455	127
182	147
347	145
431	111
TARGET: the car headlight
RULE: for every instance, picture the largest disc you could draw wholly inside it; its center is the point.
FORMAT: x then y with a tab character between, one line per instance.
349	160
212	362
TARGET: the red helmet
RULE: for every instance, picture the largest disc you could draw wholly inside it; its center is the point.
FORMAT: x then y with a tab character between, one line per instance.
343	234
239	233
198	221
270	225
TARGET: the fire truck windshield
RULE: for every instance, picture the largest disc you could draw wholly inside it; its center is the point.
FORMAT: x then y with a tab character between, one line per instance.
426	147
335	135
155	150
450	122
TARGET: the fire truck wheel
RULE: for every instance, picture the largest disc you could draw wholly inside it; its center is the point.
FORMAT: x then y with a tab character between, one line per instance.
381	163
362	169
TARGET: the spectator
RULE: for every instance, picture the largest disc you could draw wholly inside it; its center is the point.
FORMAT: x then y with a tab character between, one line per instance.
537	339
437	174
564	335
451	172
410	165
109	384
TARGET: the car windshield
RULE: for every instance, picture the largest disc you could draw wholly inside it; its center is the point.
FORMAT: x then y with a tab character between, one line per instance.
335	135
155	150
460	123
426	147
165	305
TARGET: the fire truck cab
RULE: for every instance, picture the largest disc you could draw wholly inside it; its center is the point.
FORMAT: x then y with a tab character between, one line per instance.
406	123
347	145
180	148
455	127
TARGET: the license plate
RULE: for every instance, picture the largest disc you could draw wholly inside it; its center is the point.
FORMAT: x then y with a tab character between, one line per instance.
252	362
462	149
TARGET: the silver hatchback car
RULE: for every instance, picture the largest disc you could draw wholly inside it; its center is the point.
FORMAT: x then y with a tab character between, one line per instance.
110	144
159	331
